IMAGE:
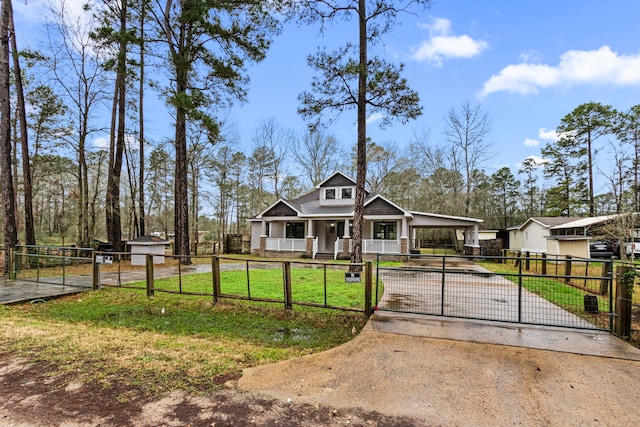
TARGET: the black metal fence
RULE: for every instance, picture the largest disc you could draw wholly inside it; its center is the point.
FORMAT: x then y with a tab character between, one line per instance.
575	294
57	265
308	283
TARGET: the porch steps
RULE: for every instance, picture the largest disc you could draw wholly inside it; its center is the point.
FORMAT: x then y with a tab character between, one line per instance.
324	256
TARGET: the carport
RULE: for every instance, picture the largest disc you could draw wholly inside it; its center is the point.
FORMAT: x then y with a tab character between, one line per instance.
430	220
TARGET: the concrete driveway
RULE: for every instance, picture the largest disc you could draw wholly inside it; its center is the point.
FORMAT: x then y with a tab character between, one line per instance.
441	371
477	294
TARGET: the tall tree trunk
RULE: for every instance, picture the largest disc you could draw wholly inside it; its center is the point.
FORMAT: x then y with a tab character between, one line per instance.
114	173
141	117
30	235
361	159
10	233
181	210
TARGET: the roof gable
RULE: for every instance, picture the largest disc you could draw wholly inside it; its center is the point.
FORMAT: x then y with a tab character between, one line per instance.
380	206
338	179
280	209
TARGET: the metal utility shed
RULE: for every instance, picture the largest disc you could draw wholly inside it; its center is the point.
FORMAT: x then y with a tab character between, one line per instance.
147	245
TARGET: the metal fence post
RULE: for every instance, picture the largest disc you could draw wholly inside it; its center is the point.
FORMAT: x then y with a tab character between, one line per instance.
95	280
544	264
527	260
444	265
520	293
368	280
149	278
286	272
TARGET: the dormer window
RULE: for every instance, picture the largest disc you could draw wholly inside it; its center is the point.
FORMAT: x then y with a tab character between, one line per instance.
330	193
347	193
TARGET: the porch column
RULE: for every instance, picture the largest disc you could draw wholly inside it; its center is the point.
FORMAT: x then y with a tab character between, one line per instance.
472	241
263	245
263	229
414	243
310	232
404	245
346	228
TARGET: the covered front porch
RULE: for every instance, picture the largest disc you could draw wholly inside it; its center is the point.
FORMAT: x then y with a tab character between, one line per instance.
330	238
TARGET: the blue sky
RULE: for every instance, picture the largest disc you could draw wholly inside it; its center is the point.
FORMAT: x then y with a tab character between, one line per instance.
528	63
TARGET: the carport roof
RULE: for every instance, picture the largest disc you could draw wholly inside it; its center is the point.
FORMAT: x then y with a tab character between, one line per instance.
424	219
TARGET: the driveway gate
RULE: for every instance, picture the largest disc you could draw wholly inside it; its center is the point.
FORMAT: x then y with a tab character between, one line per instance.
535	291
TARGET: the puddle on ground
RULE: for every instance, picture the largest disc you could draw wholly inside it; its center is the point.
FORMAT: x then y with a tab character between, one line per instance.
291	334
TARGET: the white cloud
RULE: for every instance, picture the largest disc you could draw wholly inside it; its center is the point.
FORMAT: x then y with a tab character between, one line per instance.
530	56
528	142
101	143
374	118
443	45
539	161
593	67
550	135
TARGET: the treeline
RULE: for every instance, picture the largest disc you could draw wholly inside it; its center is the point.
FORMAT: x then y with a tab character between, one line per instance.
94	71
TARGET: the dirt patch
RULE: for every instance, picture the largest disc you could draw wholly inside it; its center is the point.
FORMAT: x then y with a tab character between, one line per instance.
31	396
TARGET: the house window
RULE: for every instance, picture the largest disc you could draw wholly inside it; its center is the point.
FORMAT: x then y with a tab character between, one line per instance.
346	193
330	193
385	230
341	229
267	229
295	230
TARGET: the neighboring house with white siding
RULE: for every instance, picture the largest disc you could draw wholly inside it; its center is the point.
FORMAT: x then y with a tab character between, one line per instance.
532	235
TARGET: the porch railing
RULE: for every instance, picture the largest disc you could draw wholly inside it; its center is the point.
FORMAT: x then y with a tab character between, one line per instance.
380	246
287	245
370	246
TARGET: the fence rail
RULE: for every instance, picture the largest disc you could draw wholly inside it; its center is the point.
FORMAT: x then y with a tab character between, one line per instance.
305	283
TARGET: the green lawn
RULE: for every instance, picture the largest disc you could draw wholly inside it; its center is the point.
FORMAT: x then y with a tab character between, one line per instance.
180	342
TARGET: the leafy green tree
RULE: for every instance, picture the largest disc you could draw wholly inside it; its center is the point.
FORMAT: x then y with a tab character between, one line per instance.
349	78
506	190
115	32
529	168
566	166
580	129
209	43
160	185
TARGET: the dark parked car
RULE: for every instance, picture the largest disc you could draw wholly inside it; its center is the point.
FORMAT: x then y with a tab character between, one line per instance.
601	249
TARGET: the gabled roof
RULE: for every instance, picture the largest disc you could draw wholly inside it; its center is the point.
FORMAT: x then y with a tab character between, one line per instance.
383	203
280	208
308	205
338	179
585	222
546	221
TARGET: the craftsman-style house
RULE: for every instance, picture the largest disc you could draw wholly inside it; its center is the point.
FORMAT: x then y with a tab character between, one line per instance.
320	223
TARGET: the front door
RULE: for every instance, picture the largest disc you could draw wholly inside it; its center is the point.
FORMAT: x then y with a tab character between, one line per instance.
330	235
